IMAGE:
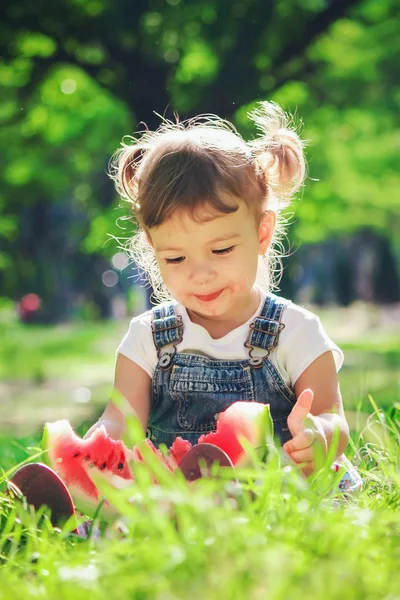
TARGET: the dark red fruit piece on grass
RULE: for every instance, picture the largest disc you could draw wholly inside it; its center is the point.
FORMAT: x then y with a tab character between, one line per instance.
199	460
41	486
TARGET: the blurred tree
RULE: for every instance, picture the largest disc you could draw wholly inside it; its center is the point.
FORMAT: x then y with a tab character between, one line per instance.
78	74
195	56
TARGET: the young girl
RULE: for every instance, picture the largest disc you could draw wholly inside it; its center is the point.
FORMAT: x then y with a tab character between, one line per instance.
208	205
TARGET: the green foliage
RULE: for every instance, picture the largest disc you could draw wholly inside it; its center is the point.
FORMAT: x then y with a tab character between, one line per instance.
349	119
71	92
54	155
32	44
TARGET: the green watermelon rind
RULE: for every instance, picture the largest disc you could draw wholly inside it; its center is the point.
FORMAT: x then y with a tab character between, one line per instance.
44	444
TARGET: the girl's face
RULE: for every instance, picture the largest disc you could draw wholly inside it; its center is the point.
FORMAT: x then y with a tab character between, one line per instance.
211	266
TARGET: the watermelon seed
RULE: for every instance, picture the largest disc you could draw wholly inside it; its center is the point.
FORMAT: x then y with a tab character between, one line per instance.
76	454
120	466
103	466
86	457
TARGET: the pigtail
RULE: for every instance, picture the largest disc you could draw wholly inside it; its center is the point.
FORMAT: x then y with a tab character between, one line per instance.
278	152
123	170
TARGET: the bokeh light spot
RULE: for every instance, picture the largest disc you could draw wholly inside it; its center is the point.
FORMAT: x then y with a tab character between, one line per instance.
109	278
120	261
82	395
68	86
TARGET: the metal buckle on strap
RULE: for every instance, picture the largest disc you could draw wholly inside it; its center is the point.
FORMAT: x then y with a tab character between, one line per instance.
165	358
258	361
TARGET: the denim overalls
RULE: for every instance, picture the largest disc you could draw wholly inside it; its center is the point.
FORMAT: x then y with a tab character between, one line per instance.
189	390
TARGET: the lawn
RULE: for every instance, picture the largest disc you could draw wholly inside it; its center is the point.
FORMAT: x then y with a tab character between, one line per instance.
275	537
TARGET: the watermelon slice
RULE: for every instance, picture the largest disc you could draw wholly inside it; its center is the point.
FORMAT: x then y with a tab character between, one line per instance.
39	485
72	458
249	421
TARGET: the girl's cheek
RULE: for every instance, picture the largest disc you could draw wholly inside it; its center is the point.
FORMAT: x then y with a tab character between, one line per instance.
173	281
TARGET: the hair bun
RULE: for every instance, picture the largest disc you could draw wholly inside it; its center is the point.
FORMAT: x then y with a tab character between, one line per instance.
123	169
278	150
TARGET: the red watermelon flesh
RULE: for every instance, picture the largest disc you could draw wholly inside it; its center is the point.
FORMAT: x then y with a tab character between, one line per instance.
230	444
179	449
168	461
106	453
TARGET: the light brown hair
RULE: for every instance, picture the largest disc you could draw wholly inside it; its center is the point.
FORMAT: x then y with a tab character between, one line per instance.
186	165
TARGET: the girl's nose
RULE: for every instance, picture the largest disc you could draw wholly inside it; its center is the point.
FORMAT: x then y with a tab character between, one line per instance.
201	273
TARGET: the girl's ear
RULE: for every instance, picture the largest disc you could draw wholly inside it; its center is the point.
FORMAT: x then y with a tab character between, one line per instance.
266	230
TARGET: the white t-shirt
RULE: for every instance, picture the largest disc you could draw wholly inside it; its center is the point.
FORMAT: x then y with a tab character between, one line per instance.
301	341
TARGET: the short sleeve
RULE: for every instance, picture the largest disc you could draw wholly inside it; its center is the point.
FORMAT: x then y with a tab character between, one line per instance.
138	346
302	341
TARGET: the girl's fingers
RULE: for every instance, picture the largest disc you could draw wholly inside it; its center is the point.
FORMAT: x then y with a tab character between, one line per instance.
300	411
301	441
302	456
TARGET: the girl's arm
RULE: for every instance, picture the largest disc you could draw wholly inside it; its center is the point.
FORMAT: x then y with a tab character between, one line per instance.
322	417
134	384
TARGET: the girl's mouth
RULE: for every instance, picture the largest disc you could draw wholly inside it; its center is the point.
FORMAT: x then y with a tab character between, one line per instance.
209	297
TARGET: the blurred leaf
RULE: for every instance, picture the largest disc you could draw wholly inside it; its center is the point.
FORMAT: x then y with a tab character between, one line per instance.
199	62
32	44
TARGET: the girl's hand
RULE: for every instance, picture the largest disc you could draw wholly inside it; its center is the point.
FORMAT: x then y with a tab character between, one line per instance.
114	428
307	430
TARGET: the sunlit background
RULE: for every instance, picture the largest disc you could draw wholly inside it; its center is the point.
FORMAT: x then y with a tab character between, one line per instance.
78	75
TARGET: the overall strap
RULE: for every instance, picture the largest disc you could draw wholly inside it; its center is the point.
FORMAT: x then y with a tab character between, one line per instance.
167	330
265	329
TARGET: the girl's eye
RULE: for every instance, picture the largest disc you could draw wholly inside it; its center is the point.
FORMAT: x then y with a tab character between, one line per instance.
224	250
174	261
179	259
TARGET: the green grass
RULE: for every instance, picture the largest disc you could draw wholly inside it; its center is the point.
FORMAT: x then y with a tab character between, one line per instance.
275	537
371	367
37	353
43	371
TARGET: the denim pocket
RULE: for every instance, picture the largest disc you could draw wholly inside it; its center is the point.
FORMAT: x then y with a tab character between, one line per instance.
203	392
